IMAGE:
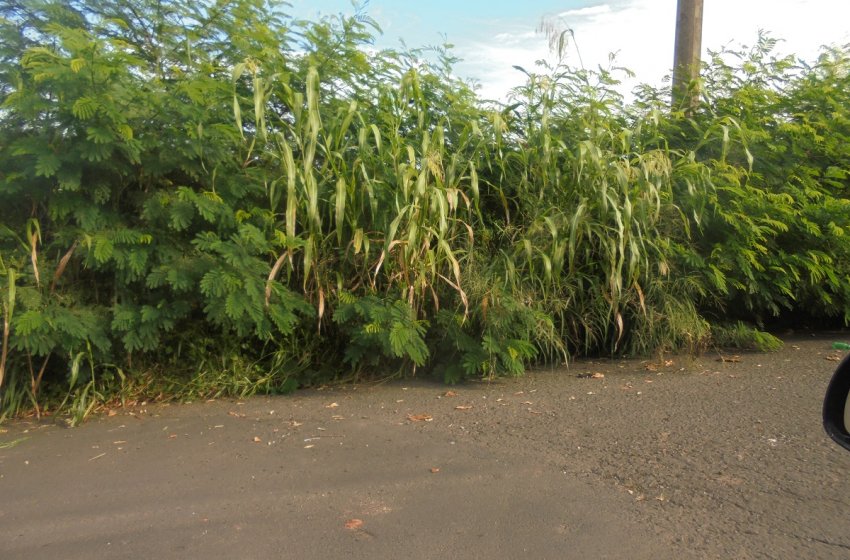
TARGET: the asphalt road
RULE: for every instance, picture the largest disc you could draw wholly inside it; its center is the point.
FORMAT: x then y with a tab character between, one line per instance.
667	458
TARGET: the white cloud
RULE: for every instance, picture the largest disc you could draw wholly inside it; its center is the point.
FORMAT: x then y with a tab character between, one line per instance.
641	32
492	63
516	38
586	12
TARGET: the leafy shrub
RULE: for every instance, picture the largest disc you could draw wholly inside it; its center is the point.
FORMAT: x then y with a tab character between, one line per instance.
770	232
248	210
381	329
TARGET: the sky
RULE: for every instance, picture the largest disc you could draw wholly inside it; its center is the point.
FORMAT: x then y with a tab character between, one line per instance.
494	35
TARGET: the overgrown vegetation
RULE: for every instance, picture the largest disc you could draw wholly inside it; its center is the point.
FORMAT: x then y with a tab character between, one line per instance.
212	198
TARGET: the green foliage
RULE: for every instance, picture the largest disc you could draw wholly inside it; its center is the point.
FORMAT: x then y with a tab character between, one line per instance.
131	219
503	336
245	201
380	329
770	232
740	335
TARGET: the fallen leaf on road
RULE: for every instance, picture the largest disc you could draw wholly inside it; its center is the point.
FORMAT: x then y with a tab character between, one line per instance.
526	402
434	470
295	424
598	375
257	440
236	414
338	417
111	413
332	405
420	417
834	358
729	359
353	524
309	446
464	407
13	443
449	394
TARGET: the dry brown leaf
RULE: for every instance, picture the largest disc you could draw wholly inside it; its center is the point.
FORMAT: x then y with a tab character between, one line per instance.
420	417
435	470
257	440
598	375
526	402
332	405
354	524
449	394
833	358
236	414
111	412
464	407
729	359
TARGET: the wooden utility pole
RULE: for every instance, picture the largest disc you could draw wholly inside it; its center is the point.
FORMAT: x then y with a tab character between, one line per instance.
686	61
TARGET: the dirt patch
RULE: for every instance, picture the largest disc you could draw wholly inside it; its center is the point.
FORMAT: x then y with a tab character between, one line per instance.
671	458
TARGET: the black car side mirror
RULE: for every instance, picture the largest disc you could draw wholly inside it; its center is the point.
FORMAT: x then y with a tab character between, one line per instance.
836	405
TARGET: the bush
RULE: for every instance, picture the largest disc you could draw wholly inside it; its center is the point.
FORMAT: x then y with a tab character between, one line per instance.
258	211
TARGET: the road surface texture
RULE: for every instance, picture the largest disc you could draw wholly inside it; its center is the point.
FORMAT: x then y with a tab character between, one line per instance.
676	457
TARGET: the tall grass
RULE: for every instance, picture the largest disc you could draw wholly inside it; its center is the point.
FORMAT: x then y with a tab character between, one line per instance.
315	212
